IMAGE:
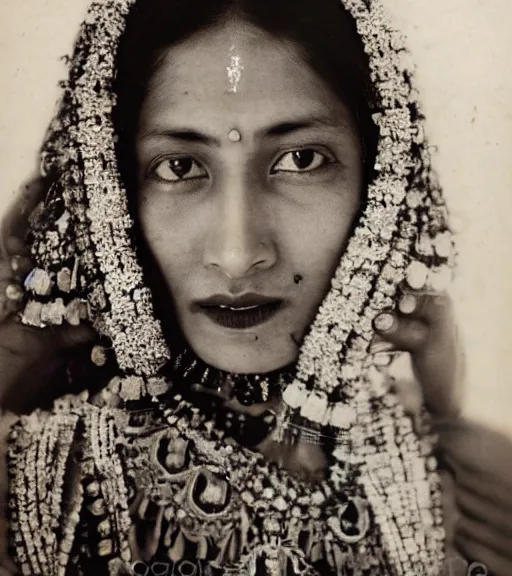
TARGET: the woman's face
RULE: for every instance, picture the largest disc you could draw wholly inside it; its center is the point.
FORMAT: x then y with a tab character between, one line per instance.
247	231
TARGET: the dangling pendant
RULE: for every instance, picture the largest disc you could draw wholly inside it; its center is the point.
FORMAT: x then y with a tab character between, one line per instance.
251	392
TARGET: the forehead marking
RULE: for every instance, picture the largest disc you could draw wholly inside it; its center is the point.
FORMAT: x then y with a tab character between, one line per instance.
234	70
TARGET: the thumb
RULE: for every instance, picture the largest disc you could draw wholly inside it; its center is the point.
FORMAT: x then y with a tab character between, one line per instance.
70	336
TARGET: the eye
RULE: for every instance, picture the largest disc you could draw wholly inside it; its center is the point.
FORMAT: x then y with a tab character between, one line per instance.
305	160
178	169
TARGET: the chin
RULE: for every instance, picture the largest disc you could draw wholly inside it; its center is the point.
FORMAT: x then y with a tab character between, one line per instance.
247	360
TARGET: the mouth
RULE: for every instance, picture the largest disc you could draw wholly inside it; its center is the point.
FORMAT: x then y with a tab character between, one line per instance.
240	313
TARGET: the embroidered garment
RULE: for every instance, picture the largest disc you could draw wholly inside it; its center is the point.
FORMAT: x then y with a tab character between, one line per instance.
94	483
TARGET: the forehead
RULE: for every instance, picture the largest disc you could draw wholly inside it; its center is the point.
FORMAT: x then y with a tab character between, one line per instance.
236	72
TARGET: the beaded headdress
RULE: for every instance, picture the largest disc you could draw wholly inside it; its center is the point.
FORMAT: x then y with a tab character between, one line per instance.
87	268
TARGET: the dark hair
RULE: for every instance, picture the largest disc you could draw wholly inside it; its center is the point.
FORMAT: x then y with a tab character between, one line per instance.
322	31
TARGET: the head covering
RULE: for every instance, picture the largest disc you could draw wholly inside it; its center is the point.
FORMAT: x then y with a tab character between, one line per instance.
87	267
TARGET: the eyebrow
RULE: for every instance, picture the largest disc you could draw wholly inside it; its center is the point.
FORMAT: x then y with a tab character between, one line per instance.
185	135
285	128
273	131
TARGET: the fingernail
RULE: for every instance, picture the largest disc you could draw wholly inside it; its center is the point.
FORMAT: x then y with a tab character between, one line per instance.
407	304
16	262
379	347
99	356
383	360
14	292
385	322
14	244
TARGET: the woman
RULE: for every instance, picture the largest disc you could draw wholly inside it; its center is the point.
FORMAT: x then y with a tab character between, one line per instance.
210	165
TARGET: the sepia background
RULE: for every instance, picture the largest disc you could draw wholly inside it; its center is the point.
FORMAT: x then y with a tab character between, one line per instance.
463	51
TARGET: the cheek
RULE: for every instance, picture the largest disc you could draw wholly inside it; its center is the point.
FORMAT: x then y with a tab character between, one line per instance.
319	247
320	252
169	240
319	236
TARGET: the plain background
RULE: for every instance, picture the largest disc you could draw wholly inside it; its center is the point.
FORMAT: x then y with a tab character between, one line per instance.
463	53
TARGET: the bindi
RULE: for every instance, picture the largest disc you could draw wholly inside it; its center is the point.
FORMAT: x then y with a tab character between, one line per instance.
234	70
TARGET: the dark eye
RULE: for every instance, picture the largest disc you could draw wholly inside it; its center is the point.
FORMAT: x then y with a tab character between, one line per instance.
300	161
176	169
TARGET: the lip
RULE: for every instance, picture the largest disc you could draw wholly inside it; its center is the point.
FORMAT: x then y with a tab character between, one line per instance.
242	312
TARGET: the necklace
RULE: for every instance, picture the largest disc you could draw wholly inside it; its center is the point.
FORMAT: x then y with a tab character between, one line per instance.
240	510
248	389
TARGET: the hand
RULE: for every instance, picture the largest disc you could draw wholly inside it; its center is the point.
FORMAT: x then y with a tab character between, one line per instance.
27	355
424	326
481	464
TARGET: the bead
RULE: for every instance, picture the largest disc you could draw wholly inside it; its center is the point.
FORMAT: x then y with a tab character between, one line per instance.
97	508
39	282
443	245
64	280
105	548
93	489
157	386
417	275
440	278
235	136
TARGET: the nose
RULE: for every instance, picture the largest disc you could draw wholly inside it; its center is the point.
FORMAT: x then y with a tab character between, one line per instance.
240	239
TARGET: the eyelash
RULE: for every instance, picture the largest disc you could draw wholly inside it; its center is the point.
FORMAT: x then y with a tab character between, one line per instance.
325	160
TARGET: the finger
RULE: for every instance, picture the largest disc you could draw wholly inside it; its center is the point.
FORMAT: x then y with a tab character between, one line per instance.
404	333
488	489
484	510
481	459
11	295
11	276
5	270
380	345
67	336
500	543
11	291
13	245
21	265
496	563
430	307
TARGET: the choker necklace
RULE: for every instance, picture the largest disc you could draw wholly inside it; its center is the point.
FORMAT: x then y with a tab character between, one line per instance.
189	372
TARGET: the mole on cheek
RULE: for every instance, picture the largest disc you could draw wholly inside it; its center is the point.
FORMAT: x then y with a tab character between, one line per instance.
298	278
295	340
